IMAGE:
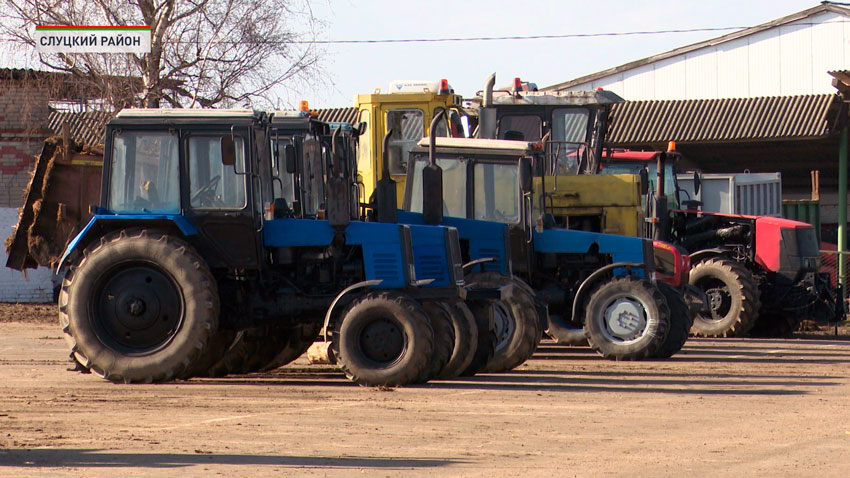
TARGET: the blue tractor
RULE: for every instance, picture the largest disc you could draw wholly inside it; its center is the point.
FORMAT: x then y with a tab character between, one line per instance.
203	260
610	289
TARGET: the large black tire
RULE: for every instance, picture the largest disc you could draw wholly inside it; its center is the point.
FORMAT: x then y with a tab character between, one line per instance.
681	320
517	323
383	339
138	306
465	340
444	339
733	298
295	340
626	319
216	349
250	351
486	345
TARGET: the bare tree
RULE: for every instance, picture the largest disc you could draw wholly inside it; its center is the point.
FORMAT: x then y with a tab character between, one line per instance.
203	53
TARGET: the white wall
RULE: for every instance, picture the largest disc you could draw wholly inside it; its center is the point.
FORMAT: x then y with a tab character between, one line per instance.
788	60
36	286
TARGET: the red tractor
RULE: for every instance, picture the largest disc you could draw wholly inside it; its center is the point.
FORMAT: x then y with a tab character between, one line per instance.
760	273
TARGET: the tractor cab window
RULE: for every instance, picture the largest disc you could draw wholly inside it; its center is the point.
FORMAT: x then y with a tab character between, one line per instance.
212	183
453	127
313	177
496	192
282	181
670	183
144	173
454	186
521	127
568	145
408	127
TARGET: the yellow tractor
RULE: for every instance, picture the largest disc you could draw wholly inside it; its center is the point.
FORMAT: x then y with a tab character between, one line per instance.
407	110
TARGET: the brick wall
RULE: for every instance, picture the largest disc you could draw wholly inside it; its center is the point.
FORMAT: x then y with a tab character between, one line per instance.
36	286
23	118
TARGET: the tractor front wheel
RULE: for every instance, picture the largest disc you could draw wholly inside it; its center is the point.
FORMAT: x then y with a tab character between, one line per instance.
383	339
627	319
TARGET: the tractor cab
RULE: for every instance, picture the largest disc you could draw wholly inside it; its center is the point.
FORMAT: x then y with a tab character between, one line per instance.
574	123
406	110
189	168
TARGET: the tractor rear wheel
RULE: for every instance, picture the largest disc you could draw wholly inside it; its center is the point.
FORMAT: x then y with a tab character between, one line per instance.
626	319
295	340
383	339
139	306
733	298
681	320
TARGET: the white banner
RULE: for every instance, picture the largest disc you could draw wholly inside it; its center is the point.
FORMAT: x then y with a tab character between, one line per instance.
50	39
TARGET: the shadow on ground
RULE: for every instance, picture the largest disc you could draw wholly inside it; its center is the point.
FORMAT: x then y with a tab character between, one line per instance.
72	457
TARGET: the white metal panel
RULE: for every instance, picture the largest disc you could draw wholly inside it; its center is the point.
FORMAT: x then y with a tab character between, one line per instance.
701	77
669	79
795	61
764	63
757	194
733	69
789	60
611	83
639	83
828	51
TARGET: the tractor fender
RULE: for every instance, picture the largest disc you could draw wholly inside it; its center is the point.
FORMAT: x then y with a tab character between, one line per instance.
586	286
102	224
706	254
329	313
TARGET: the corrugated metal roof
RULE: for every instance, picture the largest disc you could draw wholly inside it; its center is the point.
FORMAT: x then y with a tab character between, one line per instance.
338	115
86	128
728	119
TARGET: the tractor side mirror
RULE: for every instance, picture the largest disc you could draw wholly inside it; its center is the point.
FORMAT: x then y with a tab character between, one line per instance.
360	128
525	174
697	182
228	151
289	158
644	181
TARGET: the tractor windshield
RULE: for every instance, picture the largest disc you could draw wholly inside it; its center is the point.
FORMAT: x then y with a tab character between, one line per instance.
454	186
144	173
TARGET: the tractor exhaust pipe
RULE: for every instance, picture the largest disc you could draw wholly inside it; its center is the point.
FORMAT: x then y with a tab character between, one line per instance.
432	179
386	202
487	113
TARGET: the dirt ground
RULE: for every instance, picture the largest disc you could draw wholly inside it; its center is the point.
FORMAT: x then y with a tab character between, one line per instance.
720	408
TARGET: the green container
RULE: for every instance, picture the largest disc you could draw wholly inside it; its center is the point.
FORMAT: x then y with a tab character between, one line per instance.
804	210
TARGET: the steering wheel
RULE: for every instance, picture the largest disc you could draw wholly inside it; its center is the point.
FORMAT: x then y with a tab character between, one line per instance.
206	195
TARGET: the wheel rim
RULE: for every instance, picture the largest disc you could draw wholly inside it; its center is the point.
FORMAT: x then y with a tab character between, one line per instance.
504	324
137	309
625	319
382	341
719	298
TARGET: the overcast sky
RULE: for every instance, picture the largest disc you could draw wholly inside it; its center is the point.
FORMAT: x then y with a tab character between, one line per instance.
361	68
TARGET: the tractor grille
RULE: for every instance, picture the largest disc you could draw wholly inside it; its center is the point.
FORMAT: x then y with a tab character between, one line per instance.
430	266
387	266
